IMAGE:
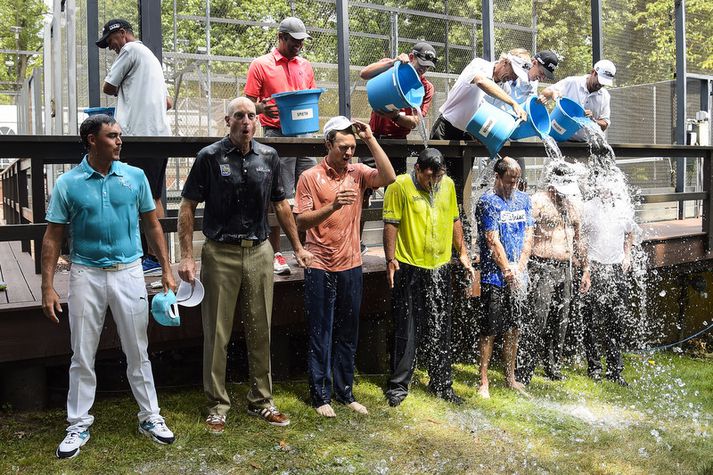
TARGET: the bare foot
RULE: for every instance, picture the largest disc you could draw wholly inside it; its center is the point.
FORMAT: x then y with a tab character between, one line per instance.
484	391
356	407
518	387
325	410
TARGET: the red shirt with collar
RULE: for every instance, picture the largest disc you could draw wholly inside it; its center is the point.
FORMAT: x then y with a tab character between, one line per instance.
273	73
335	241
382	126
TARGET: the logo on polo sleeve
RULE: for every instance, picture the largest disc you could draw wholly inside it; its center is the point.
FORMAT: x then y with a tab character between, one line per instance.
225	169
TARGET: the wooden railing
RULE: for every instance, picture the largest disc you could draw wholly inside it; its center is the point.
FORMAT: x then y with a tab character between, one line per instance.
24	184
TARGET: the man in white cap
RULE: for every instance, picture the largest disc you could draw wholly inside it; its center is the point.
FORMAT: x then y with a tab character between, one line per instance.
588	92
478	79
136	78
557	243
328	206
281	70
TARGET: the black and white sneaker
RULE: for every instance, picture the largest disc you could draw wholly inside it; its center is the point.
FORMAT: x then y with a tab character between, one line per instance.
155	429
69	447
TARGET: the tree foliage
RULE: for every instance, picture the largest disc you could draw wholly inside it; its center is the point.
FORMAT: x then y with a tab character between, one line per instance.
27	15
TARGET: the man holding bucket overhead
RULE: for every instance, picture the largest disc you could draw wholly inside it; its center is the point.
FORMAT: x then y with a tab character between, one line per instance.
328	206
588	92
399	123
543	68
478	79
281	70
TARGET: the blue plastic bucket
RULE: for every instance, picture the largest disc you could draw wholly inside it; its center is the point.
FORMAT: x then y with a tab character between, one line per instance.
565	119
538	120
397	88
492	126
100	110
299	111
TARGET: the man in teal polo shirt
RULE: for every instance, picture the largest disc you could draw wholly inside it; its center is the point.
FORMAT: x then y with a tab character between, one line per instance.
421	228
99	204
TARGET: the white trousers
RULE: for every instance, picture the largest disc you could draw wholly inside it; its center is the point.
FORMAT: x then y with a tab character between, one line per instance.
91	292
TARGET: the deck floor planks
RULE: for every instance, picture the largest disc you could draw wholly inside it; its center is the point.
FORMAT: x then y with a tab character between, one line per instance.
18	290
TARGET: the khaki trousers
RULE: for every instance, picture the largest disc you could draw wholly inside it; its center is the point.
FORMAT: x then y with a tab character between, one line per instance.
232	274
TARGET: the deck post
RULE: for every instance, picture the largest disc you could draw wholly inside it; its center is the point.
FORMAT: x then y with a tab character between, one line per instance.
708	202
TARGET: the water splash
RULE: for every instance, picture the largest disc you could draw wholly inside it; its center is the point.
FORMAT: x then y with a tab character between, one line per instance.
422	127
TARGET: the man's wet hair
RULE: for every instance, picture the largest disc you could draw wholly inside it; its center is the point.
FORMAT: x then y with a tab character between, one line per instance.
431	158
92	125
504	164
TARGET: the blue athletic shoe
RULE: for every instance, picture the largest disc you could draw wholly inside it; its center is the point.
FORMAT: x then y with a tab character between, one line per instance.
150	266
69	447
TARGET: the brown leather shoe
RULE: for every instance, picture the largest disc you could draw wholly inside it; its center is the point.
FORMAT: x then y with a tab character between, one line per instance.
270	414
215	424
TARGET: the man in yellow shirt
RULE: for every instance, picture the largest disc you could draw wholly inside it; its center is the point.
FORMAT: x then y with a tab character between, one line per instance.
421	228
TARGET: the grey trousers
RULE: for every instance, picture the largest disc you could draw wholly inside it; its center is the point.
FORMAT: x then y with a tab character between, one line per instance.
544	327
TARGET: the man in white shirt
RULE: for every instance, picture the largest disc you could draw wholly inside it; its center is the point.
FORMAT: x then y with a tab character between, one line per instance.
588	91
478	79
543	68
136	78
608	224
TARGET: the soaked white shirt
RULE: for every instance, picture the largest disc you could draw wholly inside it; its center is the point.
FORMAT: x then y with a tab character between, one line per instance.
465	97
575	88
141	106
605	225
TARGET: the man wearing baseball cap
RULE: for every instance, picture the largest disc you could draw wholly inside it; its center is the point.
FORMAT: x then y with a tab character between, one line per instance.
479	79
328	207
136	78
281	70
543	67
588	92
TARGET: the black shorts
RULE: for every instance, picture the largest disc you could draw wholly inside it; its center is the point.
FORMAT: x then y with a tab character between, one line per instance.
155	171
500	311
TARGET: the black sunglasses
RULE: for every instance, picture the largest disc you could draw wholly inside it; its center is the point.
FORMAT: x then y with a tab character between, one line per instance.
428	56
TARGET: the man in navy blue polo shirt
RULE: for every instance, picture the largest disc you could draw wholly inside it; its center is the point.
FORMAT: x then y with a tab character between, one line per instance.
505	223
237	178
99	203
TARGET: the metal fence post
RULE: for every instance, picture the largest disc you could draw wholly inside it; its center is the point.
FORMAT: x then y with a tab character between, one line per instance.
93	53
680	13
488	31
343	58
597	43
394	34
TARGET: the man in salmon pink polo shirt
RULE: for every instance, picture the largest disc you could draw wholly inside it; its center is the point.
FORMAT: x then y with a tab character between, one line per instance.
328	206
281	70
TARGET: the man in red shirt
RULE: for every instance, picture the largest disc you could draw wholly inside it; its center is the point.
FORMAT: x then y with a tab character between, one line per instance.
281	70
328	207
398	124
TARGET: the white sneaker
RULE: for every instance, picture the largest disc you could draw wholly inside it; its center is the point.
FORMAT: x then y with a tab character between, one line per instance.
155	429
279	264
69	447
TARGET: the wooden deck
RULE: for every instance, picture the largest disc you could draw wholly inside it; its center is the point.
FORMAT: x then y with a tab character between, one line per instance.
27	335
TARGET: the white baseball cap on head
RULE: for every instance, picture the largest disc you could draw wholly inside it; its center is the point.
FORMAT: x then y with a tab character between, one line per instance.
189	295
337	123
605	72
520	66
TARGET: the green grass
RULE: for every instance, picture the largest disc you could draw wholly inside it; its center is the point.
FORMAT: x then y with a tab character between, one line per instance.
662	423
